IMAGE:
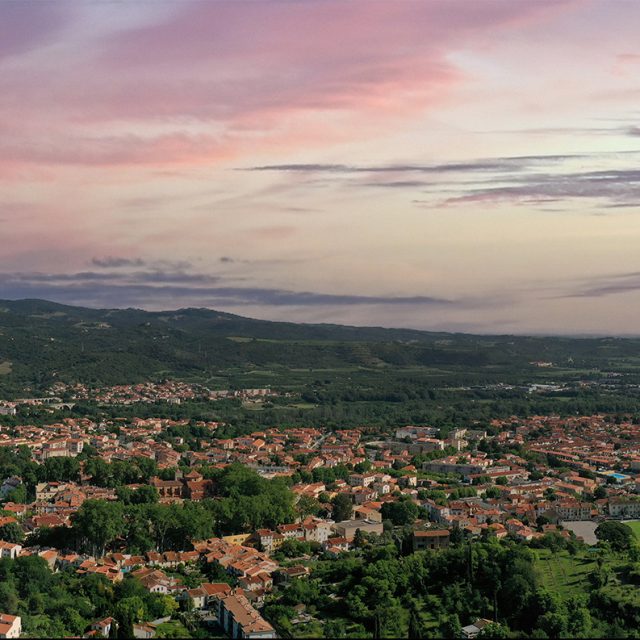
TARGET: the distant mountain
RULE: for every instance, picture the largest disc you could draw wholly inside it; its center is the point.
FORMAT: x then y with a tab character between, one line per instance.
42	341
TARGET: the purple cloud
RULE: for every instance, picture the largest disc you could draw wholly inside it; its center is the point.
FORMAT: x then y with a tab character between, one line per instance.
29	25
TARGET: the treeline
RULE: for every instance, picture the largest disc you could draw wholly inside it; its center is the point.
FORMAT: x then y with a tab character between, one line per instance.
380	593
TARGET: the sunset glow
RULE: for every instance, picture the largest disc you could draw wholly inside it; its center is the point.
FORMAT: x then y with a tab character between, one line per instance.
458	166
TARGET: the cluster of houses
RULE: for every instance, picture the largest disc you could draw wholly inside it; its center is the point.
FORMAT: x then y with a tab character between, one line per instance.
171	391
587	470
593	443
232	608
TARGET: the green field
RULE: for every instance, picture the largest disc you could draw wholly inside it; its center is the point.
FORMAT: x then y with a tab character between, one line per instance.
5	368
563	573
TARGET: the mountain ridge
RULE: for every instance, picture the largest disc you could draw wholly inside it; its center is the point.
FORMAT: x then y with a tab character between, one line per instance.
42	342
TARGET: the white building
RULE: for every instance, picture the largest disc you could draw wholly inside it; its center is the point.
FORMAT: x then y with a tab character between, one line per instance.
9	549
10	626
472	630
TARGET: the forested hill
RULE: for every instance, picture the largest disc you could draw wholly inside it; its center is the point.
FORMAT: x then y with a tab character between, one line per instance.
41	342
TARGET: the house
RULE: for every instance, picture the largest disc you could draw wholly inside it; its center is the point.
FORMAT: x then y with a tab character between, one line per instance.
143	631
103	627
198	597
291	573
214	591
68	560
336	545
259	583
361	479
46	491
366	513
19	510
574	510
431	539
347	528
316	530
496	529
168	490
156	581
269	540
472	630
9	549
291	531
624	506
49	556
10	626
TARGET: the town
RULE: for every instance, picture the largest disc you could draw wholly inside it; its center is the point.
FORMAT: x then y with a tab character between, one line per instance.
318	319
330	493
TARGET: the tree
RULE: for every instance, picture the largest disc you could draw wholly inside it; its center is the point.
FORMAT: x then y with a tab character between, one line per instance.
146	494
160	606
554	624
363	467
494	630
18	495
599	493
450	626
335	629
31	574
293	548
416	628
130	610
359	539
97	523
8	598
619	535
307	506
492	492
11	532
401	512
342	507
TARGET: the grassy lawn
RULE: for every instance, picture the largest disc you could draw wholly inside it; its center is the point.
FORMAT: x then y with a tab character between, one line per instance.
5	368
563	573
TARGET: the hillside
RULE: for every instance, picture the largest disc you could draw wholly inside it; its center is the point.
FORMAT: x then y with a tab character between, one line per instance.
41	342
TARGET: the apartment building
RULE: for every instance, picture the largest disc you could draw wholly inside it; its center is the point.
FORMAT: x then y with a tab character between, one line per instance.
240	620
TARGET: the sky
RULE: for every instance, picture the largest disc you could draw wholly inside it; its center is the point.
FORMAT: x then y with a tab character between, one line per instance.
451	165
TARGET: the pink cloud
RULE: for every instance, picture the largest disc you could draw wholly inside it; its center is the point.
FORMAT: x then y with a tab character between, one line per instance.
235	59
626	64
115	150
251	69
